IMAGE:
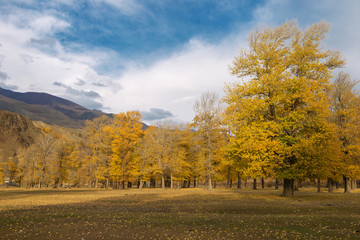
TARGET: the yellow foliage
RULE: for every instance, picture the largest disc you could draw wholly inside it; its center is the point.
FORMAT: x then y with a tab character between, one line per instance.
125	134
281	107
345	116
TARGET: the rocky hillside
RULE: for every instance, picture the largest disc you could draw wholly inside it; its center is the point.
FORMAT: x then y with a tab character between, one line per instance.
46	108
16	132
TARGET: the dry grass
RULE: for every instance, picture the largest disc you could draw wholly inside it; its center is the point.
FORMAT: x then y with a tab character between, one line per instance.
177	214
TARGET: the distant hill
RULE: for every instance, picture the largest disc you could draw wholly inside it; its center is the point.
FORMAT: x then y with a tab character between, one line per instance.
46	108
16	132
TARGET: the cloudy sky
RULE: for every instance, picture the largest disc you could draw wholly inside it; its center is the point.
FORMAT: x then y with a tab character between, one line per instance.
148	55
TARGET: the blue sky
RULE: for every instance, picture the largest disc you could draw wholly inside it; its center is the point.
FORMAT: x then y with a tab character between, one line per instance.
153	56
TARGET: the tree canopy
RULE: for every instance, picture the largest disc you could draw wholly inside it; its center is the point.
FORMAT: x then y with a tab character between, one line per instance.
281	103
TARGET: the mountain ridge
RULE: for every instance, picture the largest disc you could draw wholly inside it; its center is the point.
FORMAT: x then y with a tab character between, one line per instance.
39	98
53	110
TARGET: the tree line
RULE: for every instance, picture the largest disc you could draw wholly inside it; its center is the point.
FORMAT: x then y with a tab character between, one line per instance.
291	116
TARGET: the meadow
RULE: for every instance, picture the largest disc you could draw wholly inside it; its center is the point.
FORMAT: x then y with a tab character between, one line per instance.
177	214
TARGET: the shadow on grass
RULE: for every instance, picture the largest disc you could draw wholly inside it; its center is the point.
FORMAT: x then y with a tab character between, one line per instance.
188	214
23	193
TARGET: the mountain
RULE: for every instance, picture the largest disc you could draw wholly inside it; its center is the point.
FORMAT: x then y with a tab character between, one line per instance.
16	132
46	108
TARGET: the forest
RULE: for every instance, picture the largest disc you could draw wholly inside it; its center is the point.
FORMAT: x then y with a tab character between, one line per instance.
292	116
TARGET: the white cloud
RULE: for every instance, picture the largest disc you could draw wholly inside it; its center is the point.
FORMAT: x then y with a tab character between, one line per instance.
29	68
66	2
175	82
127	7
47	25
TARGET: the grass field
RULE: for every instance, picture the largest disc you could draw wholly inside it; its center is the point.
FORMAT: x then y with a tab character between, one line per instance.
177	214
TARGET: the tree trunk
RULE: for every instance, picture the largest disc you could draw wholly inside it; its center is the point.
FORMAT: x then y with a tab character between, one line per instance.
288	190
239	181
318	185
123	173
209	188
346	184
353	184
194	181
228	177
276	184
330	185
140	183
262	183
153	183
209	162
296	187
56	183
163	182
171	181
254	184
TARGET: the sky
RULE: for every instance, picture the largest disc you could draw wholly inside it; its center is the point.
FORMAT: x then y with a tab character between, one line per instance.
153	56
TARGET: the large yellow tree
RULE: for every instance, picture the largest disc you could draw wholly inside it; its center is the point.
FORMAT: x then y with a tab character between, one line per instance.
281	102
125	133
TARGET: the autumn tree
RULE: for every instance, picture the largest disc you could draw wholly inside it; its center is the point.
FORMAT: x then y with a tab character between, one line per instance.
12	170
207	122
145	164
78	155
181	166
62	161
281	104
345	115
99	145
228	165
46	146
37	163
28	165
192	168
160	139
125	134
